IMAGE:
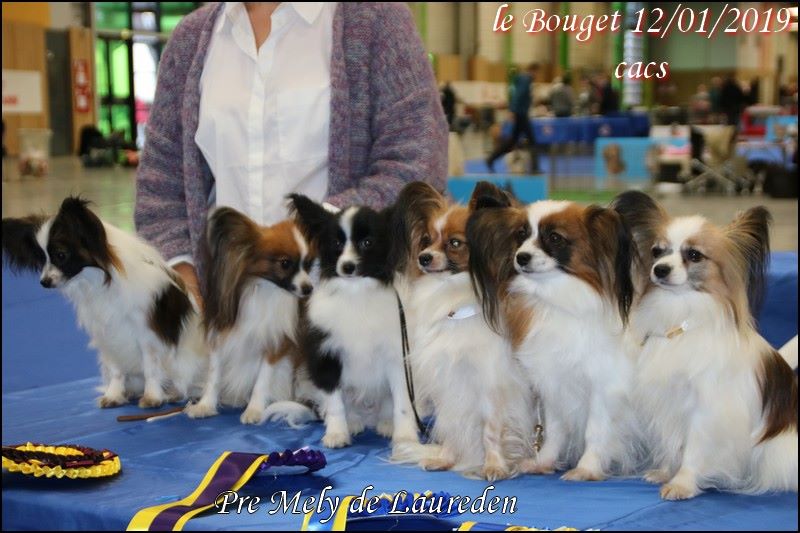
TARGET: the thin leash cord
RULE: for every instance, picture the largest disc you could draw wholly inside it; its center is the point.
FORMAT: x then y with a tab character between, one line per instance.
407	363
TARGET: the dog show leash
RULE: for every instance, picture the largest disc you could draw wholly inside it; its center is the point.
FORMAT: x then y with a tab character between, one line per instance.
404	344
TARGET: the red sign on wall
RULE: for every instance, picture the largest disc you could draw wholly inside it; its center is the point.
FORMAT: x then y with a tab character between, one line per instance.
82	85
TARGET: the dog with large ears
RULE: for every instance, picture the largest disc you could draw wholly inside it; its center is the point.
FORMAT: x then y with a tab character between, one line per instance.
136	310
555	277
719	403
351	337
464	369
256	280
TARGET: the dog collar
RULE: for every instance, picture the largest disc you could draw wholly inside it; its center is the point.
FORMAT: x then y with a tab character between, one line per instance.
671	333
461	313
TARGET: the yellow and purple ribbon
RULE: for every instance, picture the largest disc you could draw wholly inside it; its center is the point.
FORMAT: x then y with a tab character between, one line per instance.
230	472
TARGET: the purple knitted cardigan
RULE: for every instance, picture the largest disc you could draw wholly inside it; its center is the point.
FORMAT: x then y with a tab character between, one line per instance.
387	125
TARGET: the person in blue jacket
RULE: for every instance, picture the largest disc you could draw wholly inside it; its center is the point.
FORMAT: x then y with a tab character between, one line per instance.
520	101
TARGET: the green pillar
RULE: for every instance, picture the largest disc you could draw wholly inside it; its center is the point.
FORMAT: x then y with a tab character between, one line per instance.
422	19
563	42
648	90
618	45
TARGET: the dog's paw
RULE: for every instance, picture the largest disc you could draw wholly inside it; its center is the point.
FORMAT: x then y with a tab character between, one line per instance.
678	491
436	463
149	402
107	402
355	426
657	476
583	474
253	416
336	439
533	466
200	410
494	472
385	428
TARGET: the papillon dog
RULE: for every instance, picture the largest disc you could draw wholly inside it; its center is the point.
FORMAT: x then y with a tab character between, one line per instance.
719	402
483	419
255	281
352	333
559	275
136	310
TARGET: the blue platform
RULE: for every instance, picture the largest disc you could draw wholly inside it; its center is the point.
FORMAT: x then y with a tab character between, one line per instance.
49	378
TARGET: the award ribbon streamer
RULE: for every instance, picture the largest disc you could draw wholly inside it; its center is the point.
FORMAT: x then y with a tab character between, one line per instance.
229	472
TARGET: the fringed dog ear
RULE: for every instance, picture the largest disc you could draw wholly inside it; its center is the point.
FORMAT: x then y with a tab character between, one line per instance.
642	215
492	232
21	251
415	205
310	217
749	233
230	241
75	213
489	195
612	246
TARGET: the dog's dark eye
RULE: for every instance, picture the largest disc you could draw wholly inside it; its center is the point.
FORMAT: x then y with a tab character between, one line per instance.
425	241
555	239
286	264
366	243
522	233
694	256
455	243
339	243
60	255
657	252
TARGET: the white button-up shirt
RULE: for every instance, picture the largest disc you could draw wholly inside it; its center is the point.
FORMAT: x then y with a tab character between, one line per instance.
265	114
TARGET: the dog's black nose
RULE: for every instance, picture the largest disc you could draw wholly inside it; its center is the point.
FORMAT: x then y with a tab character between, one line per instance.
348	268
523	258
46	282
306	289
662	271
425	259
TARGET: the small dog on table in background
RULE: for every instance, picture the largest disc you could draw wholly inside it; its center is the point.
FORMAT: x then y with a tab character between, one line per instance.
136	310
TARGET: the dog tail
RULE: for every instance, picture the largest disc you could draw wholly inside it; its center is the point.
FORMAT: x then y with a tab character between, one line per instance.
295	414
776	464
414	452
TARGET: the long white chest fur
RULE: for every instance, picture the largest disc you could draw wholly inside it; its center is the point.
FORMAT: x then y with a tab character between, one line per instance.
465	370
699	381
267	319
361	320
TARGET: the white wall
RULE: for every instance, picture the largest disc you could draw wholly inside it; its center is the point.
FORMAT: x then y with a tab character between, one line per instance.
442	36
531	47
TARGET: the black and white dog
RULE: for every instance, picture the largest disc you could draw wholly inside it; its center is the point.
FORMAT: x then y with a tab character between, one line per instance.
351	336
136	310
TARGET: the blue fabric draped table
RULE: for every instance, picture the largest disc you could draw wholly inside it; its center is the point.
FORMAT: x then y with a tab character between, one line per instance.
585	129
49	380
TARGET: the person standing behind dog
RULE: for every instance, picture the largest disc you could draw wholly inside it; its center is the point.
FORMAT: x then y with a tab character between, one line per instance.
255	100
519	105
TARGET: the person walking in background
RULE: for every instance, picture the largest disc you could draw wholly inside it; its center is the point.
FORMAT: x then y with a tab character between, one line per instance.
256	100
609	98
562	97
519	104
731	100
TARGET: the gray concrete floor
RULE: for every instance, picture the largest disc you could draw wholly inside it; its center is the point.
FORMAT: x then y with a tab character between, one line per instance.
112	192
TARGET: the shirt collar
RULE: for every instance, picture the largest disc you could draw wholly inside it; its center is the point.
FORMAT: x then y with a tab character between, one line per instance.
308	11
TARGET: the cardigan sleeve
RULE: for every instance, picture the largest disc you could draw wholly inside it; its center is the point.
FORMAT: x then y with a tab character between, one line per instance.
409	129
160	213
